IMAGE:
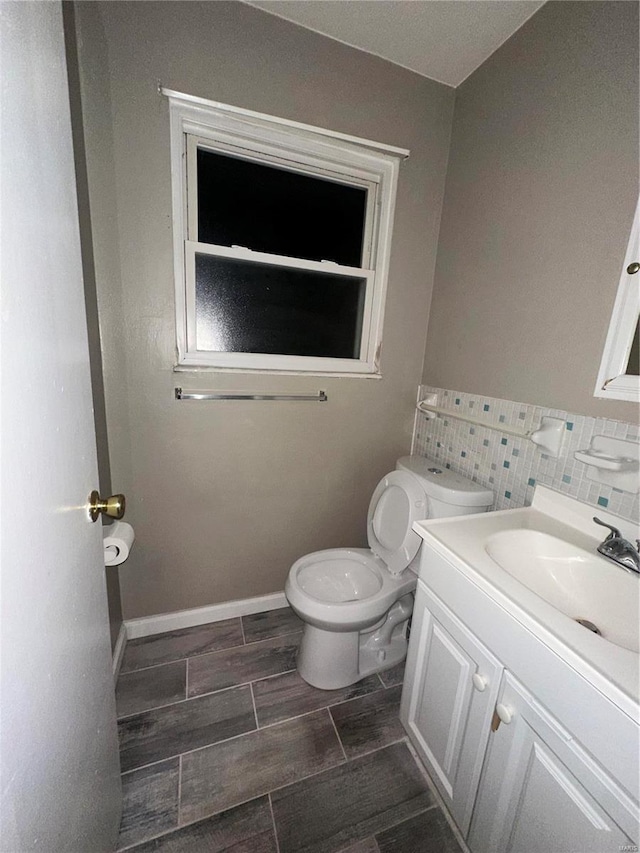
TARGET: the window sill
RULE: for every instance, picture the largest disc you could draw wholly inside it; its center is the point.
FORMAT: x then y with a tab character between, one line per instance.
191	368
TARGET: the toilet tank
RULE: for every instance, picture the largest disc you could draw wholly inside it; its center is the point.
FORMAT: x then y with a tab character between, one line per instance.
448	493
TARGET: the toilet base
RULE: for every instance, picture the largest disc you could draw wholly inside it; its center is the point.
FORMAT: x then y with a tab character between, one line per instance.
330	660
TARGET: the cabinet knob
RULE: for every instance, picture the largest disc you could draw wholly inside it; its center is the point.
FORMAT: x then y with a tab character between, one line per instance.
504	713
479	682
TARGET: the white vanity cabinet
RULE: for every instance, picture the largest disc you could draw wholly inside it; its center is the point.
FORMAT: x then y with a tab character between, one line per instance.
540	792
526	754
447	712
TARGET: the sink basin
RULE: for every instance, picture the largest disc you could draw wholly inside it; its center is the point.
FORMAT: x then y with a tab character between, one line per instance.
539	564
585	587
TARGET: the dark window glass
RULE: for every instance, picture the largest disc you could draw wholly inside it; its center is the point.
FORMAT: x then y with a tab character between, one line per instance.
268	209
243	306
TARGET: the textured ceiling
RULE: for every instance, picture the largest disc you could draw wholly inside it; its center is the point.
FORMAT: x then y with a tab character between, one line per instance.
442	39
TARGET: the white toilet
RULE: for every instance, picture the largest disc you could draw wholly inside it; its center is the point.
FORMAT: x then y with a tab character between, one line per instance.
356	602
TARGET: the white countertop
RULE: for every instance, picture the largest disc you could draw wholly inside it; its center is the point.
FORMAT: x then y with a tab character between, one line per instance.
613	670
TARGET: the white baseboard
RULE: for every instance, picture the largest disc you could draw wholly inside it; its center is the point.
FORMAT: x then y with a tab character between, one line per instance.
147	625
118	650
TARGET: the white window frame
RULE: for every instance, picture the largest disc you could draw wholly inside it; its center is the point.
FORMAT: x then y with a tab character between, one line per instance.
613	381
196	122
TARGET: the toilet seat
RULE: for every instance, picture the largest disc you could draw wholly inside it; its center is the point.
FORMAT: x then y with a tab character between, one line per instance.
363	594
397	502
355	586
339	577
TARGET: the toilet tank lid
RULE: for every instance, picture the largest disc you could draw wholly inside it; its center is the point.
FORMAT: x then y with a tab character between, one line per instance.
442	484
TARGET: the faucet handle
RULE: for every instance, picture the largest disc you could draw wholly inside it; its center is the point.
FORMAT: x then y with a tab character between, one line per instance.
615	533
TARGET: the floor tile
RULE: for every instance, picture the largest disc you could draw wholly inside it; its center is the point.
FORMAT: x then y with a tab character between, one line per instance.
271	623
428	832
369	722
150	688
395	675
246	829
288	695
237	770
163	732
367	846
243	663
175	645
349	803
149	802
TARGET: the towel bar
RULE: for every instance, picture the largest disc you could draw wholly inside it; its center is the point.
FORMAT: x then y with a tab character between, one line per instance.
320	397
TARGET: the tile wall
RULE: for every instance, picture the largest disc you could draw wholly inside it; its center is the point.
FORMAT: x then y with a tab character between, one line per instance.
512	466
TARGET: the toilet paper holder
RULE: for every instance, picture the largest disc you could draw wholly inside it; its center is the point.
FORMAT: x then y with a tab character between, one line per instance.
113	506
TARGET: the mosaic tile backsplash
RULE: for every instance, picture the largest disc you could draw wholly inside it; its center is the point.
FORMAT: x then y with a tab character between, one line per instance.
512	466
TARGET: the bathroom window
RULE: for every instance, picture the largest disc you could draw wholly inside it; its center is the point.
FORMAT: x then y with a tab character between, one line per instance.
282	236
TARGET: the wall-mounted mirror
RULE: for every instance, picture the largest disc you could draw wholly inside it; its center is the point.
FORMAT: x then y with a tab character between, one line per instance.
618	378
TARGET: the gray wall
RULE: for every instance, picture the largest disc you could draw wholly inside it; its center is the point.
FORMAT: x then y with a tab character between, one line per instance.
224	497
540	194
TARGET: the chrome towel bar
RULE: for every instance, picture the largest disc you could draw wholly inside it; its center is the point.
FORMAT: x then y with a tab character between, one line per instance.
320	397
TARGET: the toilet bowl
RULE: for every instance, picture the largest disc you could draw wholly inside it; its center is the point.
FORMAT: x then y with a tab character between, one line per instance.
356	602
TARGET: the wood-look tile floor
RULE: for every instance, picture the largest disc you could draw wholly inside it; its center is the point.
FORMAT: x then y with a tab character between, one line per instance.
225	748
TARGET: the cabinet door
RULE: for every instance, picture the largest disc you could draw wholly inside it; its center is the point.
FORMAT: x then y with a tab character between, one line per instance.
540	792
450	690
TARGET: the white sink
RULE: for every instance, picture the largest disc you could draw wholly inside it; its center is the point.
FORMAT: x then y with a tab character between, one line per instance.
583	586
540	564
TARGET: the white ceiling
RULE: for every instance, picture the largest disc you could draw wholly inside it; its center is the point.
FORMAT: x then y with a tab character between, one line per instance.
442	39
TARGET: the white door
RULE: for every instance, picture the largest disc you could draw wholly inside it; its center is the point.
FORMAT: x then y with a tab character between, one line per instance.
540	792
60	773
451	684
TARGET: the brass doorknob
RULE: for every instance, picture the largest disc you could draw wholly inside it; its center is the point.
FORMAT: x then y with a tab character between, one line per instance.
633	268
113	506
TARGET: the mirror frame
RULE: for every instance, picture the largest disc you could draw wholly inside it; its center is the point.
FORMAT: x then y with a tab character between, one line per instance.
613	381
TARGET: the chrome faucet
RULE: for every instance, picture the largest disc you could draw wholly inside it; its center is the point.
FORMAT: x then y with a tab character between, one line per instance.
618	549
